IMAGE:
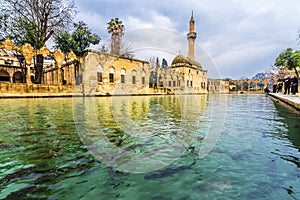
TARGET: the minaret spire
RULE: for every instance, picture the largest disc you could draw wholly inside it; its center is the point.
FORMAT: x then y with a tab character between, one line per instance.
191	36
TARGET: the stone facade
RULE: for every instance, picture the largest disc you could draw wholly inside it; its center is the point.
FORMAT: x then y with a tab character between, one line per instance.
96	73
105	74
182	77
218	86
10	69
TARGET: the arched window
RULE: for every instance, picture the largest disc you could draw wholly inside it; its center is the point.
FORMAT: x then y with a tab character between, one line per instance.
99	73
18	77
143	77
123	72
111	75
133	77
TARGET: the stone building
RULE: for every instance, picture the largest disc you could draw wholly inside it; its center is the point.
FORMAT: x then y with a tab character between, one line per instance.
96	73
218	86
17	71
106	74
14	69
10	69
185	75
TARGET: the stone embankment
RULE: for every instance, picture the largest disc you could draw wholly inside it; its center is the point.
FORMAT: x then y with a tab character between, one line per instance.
292	100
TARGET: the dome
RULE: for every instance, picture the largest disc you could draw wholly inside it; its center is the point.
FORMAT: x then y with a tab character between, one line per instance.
181	60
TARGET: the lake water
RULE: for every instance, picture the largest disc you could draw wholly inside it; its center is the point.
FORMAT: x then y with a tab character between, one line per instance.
149	147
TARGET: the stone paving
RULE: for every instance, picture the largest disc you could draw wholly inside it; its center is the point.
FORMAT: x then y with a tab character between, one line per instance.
292	100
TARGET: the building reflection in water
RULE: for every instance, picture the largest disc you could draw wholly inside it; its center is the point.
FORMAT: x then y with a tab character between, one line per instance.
140	133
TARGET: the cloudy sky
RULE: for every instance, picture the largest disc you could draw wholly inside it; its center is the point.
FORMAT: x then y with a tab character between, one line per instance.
236	37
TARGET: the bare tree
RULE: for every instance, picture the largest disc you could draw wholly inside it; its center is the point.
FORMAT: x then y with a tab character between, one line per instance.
126	49
103	49
154	62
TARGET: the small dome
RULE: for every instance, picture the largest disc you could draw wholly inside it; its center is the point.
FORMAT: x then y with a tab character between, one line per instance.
179	59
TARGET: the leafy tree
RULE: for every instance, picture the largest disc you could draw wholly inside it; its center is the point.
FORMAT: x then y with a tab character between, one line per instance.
78	41
34	22
288	59
116	29
164	63
83	37
64	42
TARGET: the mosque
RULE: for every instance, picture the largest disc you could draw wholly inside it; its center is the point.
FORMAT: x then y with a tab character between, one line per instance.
114	75
185	75
96	73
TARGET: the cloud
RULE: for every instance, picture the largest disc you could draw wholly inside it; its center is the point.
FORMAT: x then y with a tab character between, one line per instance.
155	20
242	37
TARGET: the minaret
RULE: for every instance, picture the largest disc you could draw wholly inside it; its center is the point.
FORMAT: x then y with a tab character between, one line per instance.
191	36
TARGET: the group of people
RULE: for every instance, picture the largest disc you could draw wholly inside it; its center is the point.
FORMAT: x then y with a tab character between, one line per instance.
289	84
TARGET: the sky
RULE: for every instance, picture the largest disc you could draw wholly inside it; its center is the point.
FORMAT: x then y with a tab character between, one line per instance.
235	38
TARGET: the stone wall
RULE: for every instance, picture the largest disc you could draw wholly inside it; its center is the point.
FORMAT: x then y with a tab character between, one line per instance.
104	74
19	89
217	86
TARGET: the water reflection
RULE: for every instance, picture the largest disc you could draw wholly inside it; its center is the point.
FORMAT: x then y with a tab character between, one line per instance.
46	155
139	134
38	145
291	119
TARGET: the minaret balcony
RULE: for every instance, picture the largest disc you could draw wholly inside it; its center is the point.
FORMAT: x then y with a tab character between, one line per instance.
192	35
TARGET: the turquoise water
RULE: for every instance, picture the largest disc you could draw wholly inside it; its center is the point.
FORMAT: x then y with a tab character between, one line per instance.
160	147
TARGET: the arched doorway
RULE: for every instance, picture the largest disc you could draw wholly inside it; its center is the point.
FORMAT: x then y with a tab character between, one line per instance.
253	86
4	76
261	85
245	86
18	77
238	86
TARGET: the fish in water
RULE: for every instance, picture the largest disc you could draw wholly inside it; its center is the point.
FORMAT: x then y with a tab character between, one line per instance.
242	155
219	185
170	171
271	168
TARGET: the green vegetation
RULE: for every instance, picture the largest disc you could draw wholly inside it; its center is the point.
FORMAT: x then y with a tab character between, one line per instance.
78	41
34	22
288	59
164	63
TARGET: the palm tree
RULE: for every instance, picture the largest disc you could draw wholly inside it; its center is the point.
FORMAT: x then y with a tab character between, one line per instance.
116	29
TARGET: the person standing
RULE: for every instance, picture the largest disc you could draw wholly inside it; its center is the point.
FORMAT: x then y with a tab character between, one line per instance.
274	87
279	86
294	83
287	84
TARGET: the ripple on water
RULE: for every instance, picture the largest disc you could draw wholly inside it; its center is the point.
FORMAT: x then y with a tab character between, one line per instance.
256	157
